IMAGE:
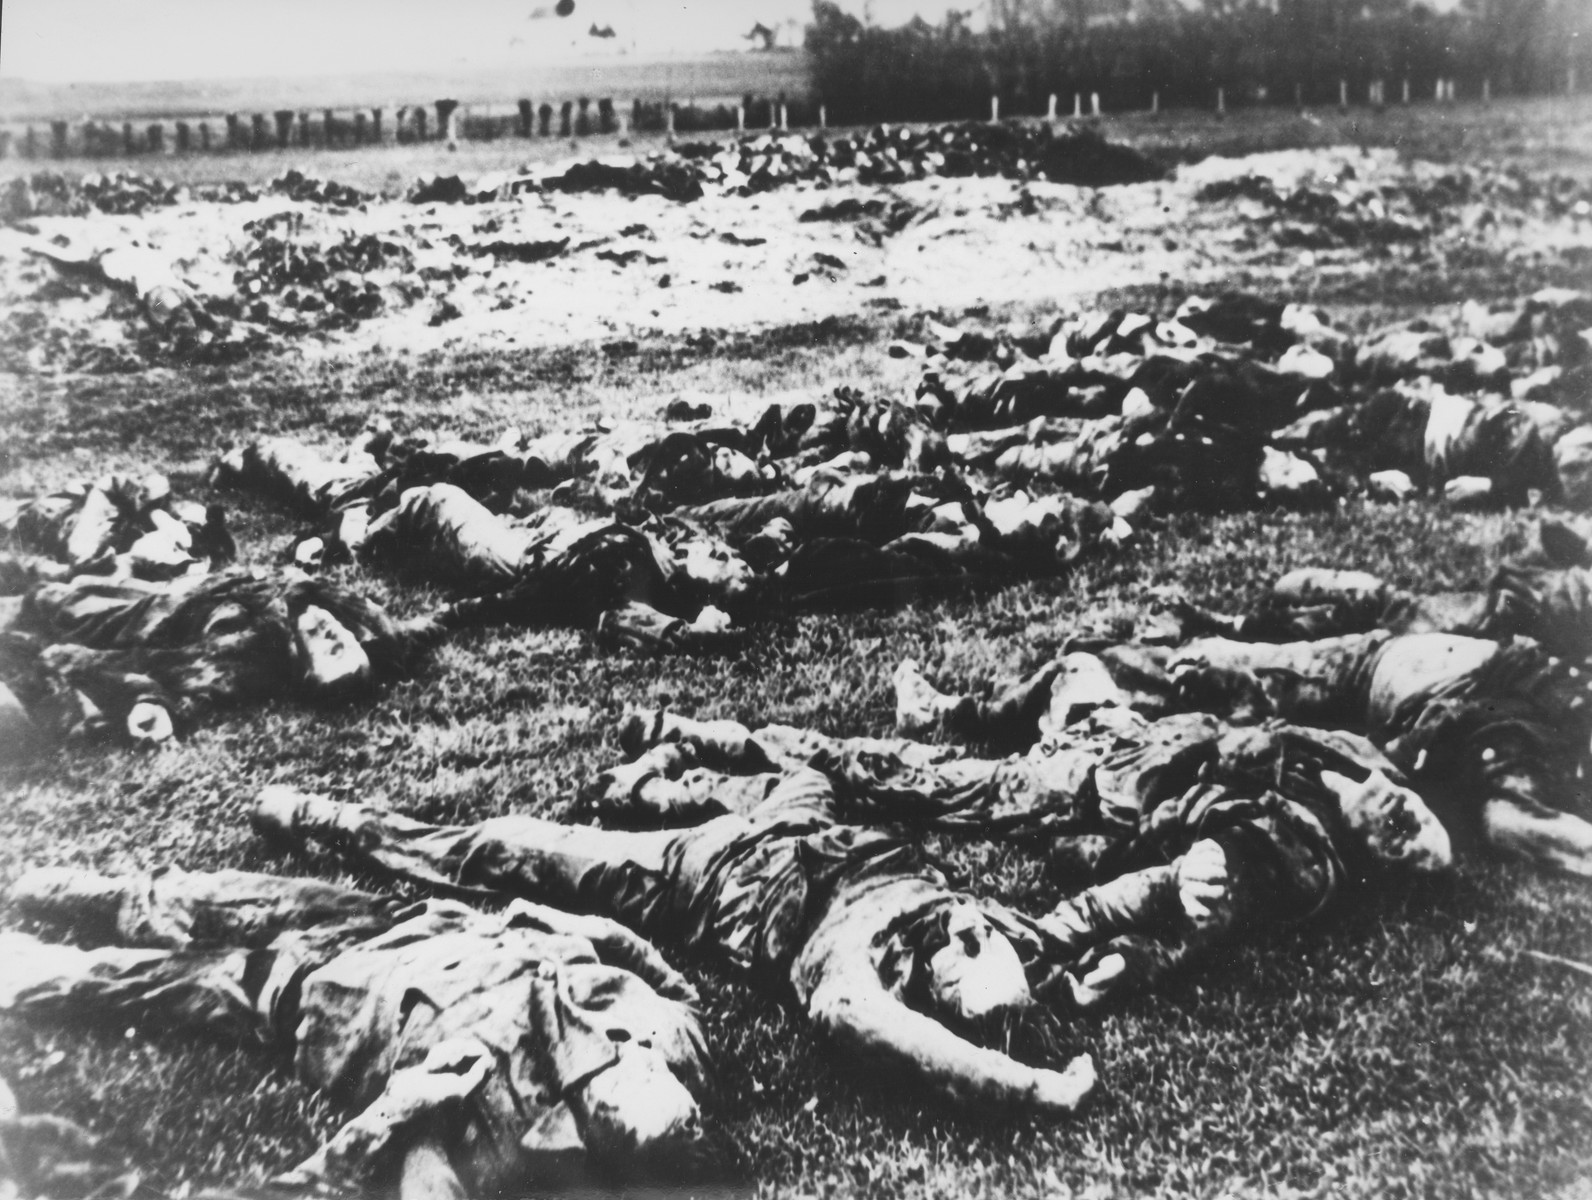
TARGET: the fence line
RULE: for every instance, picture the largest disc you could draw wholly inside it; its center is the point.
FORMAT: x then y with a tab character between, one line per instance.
447	120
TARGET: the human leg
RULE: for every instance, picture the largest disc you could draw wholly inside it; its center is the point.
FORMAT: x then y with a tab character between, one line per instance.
615	873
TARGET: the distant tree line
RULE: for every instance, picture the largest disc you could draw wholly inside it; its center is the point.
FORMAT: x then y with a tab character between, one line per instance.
1130	50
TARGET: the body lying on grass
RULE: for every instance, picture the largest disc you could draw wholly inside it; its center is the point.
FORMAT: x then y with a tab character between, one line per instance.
1545	595
142	660
118	615
853	927
1265	825
482	1050
1492	735
840	537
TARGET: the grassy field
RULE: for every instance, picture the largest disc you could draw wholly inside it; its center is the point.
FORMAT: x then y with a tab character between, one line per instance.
1404	1047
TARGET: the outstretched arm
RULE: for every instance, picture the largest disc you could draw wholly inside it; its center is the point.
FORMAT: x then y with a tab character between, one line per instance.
854	1008
1133	930
397	1128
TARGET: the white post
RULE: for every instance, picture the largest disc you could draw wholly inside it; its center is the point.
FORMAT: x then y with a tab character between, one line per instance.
823	117
782	120
1343	93
994	109
1050	113
1486	91
1077	105
740	118
1221	100
1406	91
668	119
1094	103
1155	103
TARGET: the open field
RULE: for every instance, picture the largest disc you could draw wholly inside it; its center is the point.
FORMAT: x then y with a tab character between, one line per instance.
1404	1048
1540	134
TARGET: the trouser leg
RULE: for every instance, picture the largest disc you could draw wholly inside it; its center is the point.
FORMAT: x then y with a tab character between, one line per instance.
446	532
881	779
235	990
665	786
172	908
615	873
1012	714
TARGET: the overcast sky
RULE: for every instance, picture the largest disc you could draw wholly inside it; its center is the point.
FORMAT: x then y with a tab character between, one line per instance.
106	40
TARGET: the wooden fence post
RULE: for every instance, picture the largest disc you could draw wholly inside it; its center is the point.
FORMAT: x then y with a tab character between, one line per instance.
448	122
284	126
361	127
565	119
526	118
823	117
1343	93
204	137
784	117
544	119
994	109
184	142
1486	91
1094	103
420	123
605	115
157	138
58	138
740	118
1406	91
30	142
329	128
233	136
583	118
1155	103
1221	100
376	115
1050	109
257	139
304	128
668	120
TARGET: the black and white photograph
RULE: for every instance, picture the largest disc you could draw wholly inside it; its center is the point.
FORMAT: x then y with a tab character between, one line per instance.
795	599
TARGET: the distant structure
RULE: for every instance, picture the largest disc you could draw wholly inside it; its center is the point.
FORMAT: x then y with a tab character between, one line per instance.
784	36
601	31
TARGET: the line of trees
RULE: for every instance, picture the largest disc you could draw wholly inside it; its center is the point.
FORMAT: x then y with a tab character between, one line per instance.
1275	51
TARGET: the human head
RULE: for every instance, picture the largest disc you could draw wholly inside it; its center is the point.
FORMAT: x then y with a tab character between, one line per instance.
975	974
1392	822
333	660
638	1113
